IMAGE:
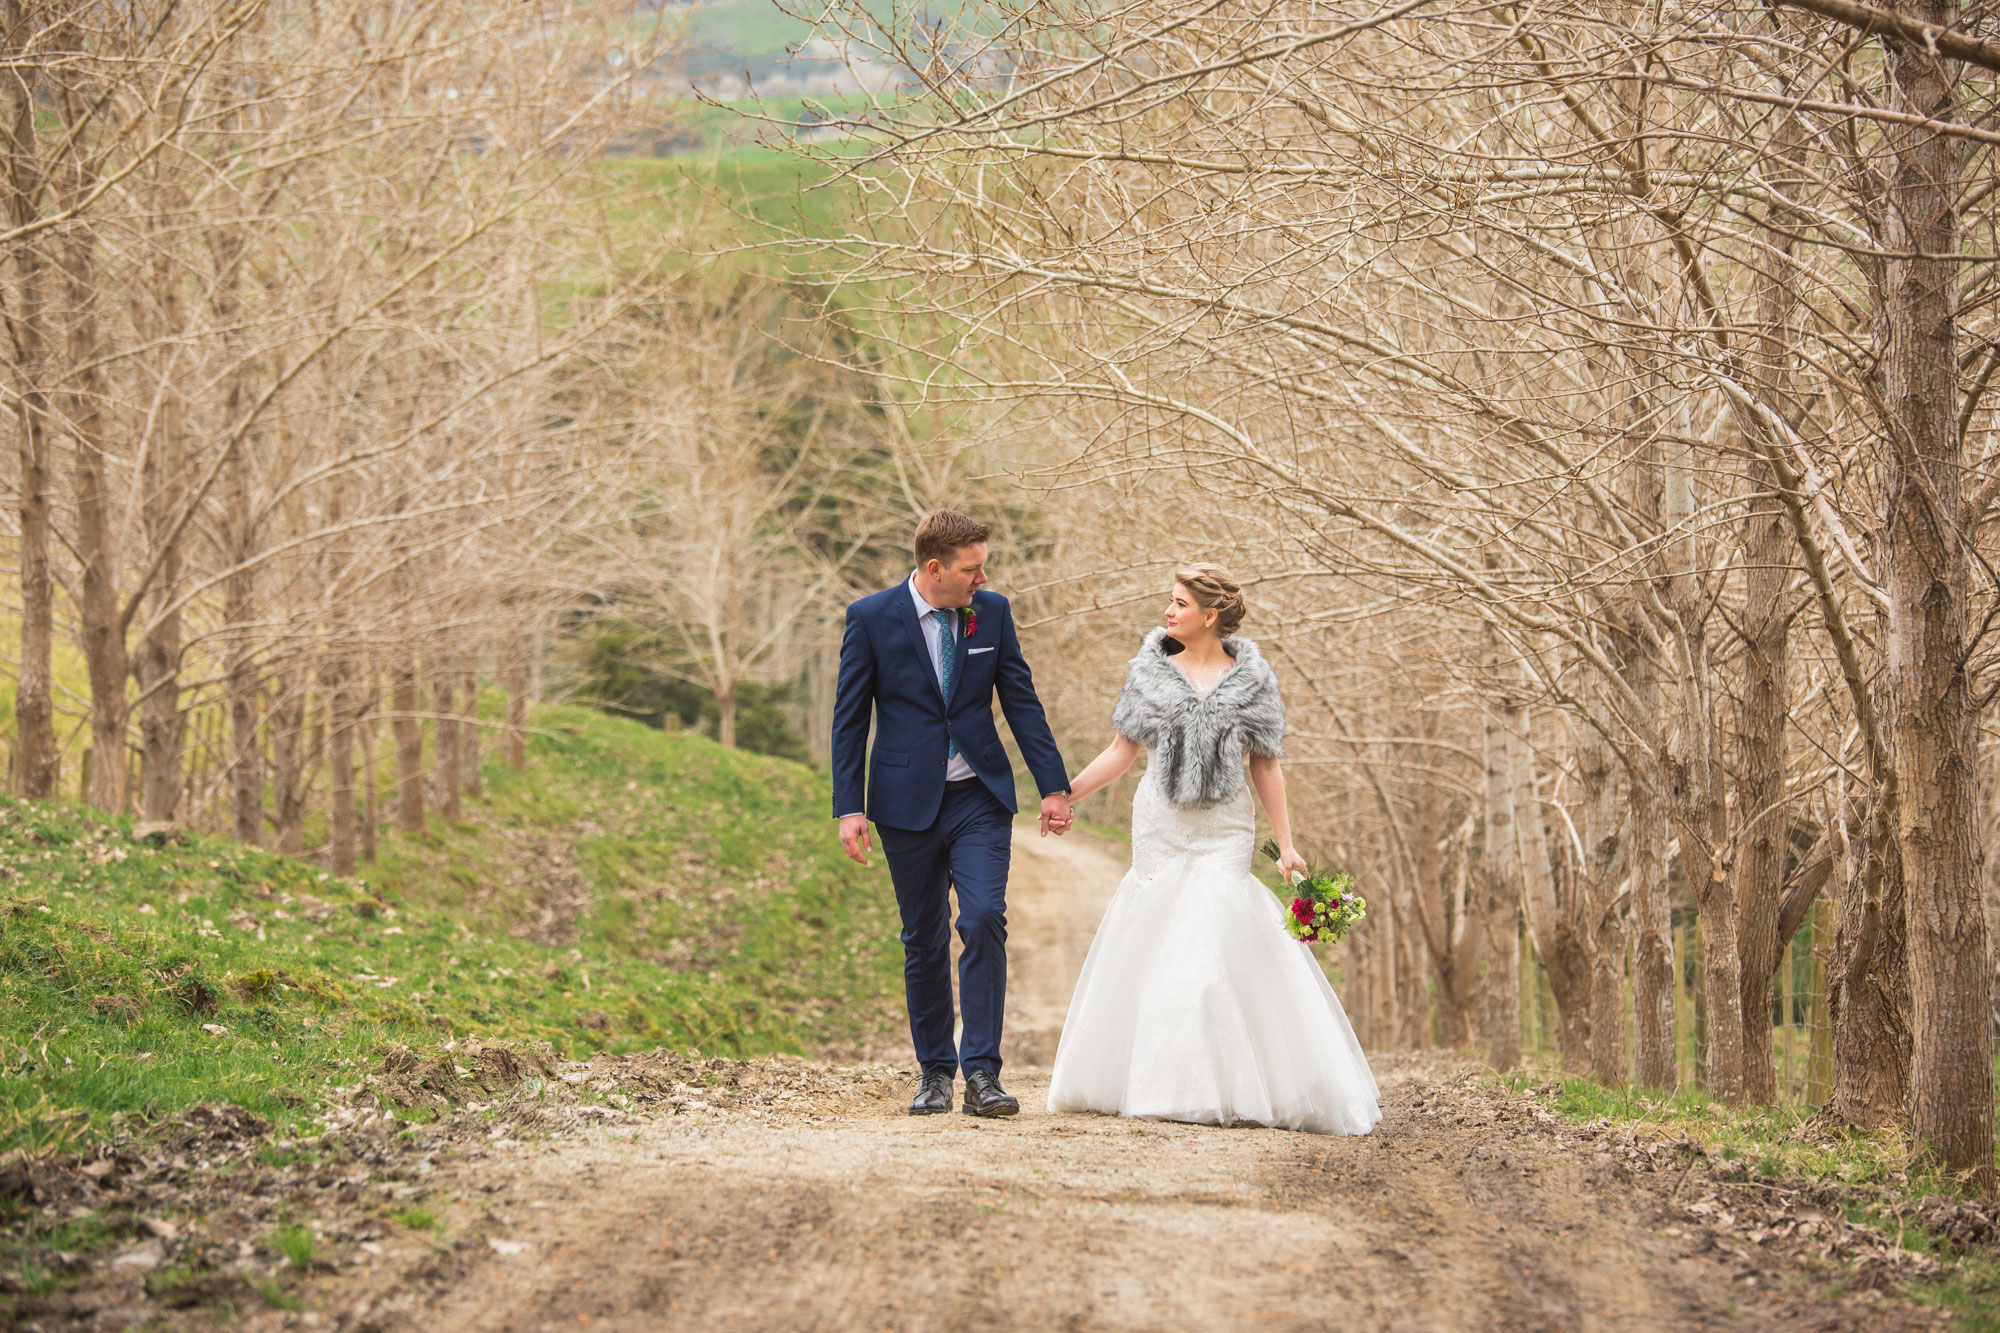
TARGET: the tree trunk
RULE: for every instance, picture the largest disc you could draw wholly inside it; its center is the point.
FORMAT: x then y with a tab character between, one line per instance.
1601	925
1457	972
161	724
289	749
725	714
370	816
1457	1013
37	756
1388	970
98	612
1990	790
447	770
1760	788
246	758
1934	720
409	747
1769	550
1655	1060
1695	786
1413	1009
246	751
517	710
1610	1056
470	760
1500	913
1871	1015
342	820
1564	957
1425	897
1655	983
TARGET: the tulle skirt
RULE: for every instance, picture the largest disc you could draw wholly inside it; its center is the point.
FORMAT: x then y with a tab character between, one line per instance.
1195	1005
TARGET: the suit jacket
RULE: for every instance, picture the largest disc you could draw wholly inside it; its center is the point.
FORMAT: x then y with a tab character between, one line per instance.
886	669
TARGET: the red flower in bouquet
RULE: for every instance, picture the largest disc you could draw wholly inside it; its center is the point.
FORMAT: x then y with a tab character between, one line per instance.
1325	906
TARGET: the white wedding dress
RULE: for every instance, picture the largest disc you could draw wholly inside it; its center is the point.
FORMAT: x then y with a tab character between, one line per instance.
1194	1004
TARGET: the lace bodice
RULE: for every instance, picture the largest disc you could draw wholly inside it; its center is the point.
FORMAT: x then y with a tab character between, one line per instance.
1163	832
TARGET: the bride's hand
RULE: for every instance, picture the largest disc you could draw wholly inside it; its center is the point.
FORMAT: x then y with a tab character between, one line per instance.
1289	860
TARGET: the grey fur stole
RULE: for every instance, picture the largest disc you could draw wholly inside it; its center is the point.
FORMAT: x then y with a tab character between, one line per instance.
1198	741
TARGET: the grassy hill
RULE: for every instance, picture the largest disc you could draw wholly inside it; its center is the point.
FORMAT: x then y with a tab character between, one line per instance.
629	888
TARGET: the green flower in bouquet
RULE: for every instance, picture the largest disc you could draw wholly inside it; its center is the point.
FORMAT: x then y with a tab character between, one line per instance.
1325	905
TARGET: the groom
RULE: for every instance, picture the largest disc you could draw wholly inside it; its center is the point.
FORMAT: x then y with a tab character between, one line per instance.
927	656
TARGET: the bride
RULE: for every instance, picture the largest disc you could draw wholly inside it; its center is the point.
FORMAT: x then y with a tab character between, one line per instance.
1194	1003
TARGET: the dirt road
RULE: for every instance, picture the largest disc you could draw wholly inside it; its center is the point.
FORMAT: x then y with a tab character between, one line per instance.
822	1205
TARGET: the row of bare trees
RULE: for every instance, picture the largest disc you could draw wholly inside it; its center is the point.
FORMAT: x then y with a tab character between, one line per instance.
343	373
1595	398
279	370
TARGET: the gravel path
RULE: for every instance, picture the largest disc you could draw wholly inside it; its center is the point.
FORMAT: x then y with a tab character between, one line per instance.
821	1205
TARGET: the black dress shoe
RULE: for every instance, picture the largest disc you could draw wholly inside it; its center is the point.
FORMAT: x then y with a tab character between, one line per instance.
933	1094
985	1096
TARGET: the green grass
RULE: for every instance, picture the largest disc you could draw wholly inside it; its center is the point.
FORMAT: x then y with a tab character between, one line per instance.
28	1264
1970	1286
1775	1140
728	196
138	980
416	1219
296	1243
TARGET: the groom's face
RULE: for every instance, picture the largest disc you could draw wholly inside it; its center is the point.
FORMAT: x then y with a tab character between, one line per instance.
958	578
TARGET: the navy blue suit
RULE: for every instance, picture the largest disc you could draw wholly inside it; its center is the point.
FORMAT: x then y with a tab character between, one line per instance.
934	839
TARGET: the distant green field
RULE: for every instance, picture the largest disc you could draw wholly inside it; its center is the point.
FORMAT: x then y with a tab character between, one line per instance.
740	194
761	123
753	30
758	31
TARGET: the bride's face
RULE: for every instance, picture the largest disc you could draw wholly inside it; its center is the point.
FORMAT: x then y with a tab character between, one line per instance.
1185	619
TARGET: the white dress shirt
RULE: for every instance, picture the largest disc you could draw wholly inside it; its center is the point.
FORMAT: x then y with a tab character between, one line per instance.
957	770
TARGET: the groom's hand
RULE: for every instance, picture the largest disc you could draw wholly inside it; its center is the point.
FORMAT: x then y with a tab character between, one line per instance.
854	837
1056	814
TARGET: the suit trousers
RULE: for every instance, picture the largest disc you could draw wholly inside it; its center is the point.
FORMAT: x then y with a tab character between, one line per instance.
969	846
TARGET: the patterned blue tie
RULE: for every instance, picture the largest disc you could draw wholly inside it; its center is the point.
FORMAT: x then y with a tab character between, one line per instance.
946	651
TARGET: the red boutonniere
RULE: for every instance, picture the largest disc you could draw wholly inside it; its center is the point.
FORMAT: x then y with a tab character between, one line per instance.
970	617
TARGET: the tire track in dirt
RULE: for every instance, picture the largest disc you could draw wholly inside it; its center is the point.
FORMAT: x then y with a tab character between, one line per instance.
847	1213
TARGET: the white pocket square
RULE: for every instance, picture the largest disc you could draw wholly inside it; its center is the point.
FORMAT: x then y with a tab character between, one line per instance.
970	651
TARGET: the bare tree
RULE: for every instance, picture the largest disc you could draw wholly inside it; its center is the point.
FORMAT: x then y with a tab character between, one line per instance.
1656	313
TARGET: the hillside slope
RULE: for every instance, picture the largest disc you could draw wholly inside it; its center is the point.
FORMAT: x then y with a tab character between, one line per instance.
628	889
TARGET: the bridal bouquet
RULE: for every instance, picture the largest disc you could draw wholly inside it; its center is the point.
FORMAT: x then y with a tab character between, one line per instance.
1326	906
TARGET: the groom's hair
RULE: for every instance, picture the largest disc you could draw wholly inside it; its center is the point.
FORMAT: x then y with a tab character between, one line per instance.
944	533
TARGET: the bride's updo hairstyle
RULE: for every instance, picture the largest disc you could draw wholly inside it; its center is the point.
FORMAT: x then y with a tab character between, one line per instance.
1213	590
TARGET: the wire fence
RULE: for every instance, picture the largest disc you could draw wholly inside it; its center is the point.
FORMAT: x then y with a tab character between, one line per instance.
1801	1021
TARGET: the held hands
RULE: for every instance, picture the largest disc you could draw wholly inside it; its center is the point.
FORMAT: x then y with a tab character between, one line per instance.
1290	863
854	837
1056	816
